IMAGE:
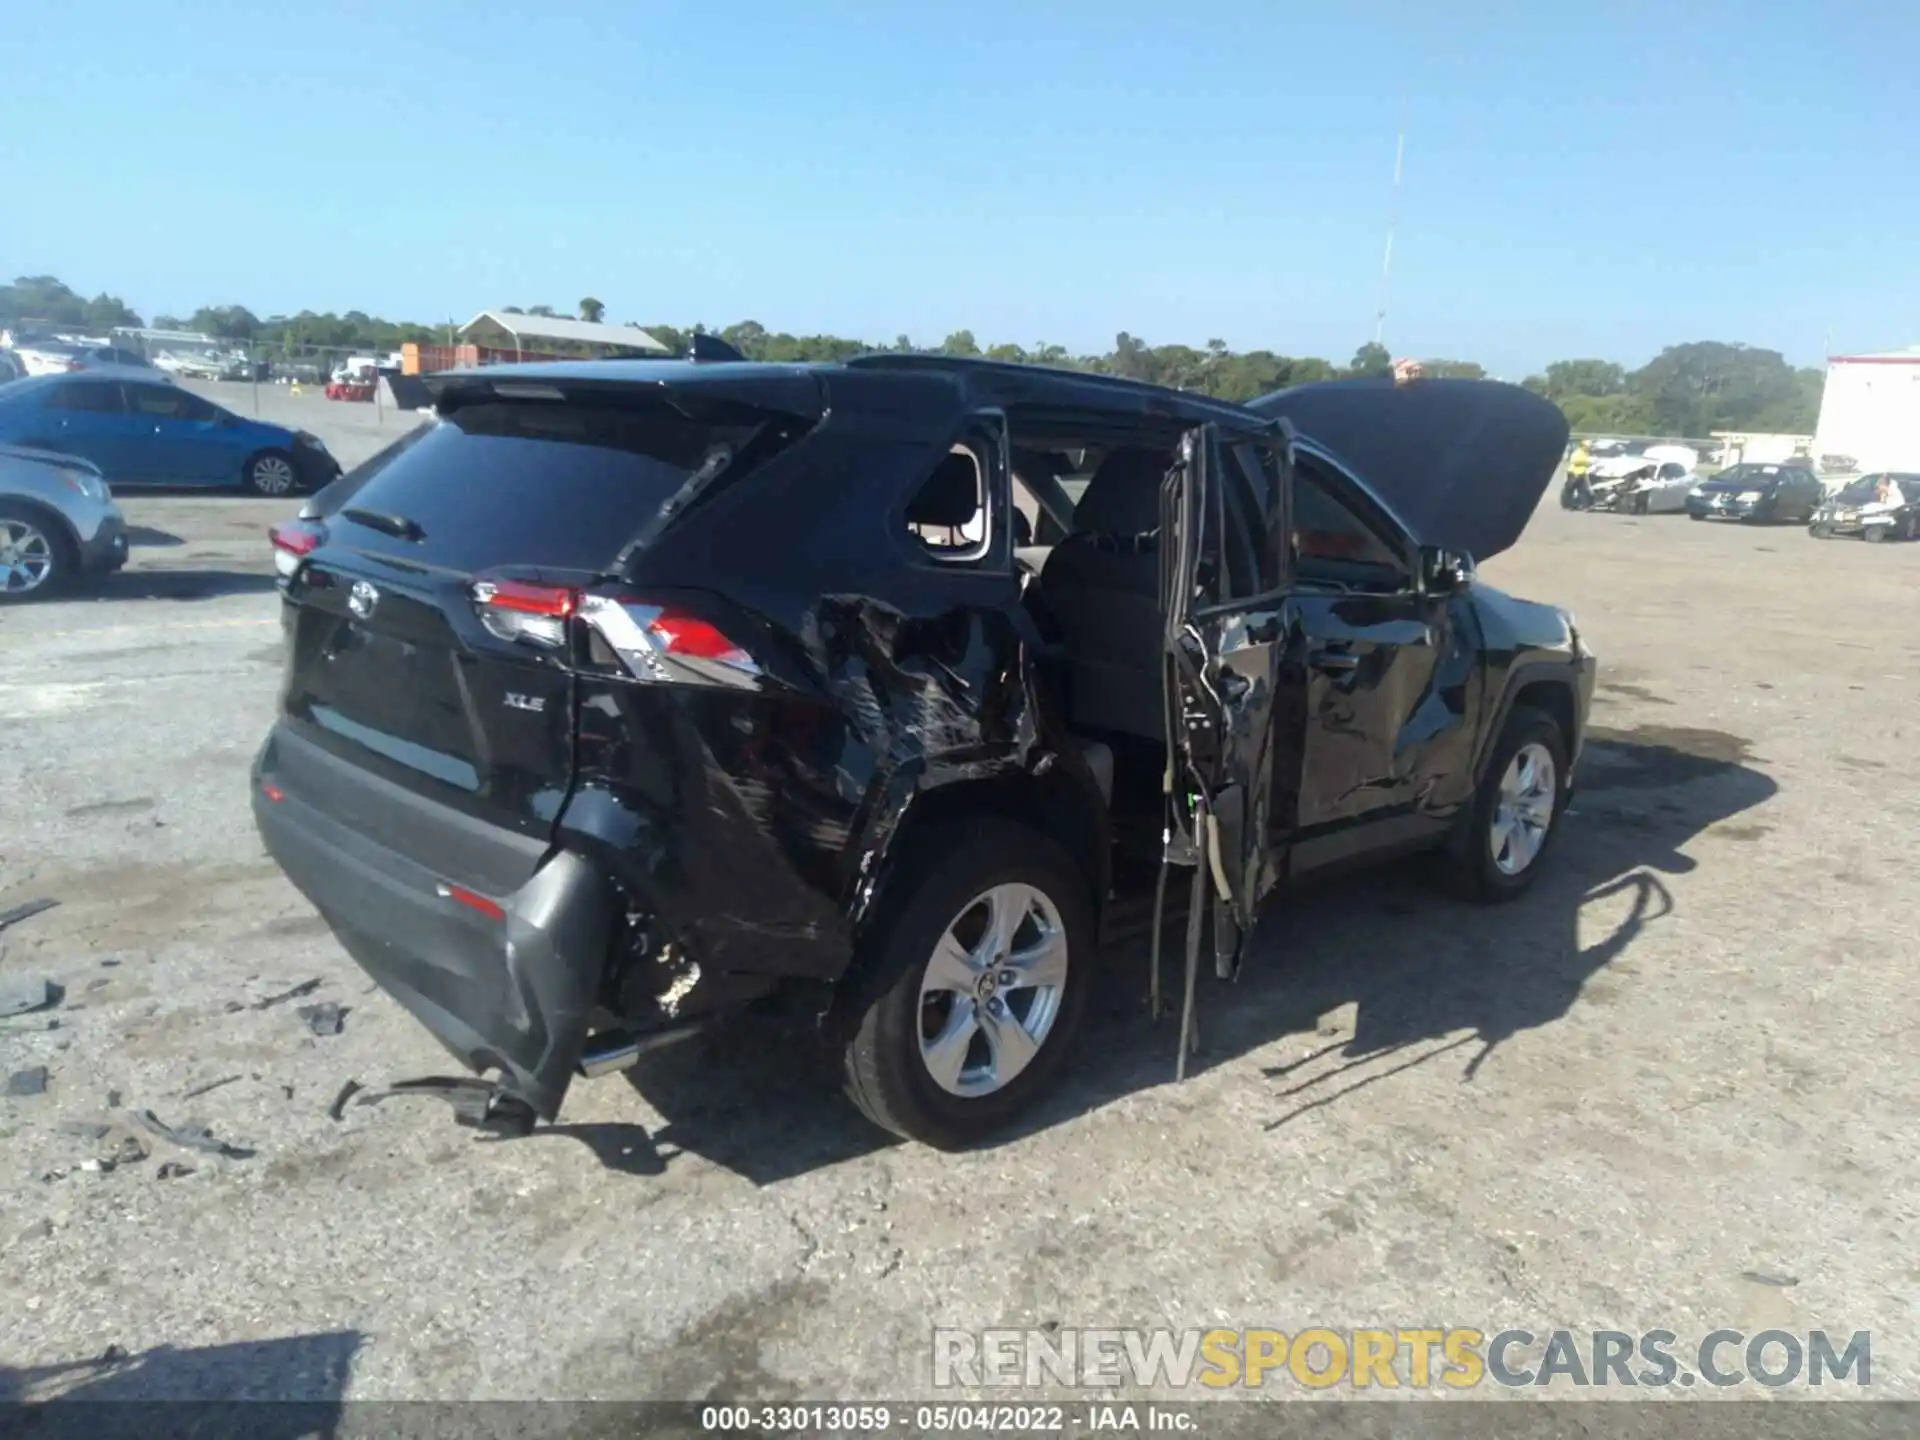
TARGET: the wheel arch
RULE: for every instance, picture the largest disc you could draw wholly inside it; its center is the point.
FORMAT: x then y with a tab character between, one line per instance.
1550	686
1060	801
62	527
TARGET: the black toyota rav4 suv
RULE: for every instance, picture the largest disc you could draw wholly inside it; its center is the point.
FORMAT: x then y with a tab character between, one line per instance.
623	695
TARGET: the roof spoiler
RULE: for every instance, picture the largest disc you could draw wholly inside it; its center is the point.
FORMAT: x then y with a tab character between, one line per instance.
711	349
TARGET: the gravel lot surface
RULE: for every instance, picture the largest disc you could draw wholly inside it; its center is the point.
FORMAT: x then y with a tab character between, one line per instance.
1666	1090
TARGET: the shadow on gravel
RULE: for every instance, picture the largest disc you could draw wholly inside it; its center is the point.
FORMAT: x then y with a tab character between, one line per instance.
217	1388
1420	967
181	585
146	535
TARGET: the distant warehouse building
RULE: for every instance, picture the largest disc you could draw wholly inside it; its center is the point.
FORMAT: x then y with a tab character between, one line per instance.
499	337
1870	410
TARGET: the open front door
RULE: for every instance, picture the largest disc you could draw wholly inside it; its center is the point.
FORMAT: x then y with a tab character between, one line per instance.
1228	620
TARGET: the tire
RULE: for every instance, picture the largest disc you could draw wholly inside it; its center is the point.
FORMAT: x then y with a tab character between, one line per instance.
1639	504
272	475
1474	853
1695	515
39	559
1820	532
1876	534
902	1014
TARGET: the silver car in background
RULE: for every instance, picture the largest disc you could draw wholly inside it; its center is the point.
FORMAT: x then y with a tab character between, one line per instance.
58	521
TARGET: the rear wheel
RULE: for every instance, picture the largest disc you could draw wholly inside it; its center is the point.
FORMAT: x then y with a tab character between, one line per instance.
34	556
1820	532
987	964
1516	811
271	473
1877	534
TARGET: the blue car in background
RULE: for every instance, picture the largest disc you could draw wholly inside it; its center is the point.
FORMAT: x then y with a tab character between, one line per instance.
139	430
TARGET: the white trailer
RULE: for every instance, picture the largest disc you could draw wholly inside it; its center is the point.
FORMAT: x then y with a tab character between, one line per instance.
1870	410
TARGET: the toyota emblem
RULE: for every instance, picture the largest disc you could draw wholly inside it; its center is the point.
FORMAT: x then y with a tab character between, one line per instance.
362	598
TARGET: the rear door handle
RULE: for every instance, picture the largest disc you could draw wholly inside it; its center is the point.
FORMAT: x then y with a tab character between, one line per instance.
1335	658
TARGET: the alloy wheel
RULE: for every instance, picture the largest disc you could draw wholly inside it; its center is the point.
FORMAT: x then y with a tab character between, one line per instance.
26	558
992	990
272	476
1524	812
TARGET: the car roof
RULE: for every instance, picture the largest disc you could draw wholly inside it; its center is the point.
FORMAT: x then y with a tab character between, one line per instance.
965	378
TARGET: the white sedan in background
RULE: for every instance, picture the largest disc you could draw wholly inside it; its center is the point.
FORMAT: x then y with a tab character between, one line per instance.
1643	485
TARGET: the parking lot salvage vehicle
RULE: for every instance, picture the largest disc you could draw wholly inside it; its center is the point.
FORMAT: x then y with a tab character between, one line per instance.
58	522
1885	506
141	430
620	696
1758	492
1644	485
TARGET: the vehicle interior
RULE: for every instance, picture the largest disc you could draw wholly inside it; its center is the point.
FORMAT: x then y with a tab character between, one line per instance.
1086	519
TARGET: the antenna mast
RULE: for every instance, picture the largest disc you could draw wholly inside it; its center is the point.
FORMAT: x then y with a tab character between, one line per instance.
1393	223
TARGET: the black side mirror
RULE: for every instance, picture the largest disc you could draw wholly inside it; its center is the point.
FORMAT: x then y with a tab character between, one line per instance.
1445	571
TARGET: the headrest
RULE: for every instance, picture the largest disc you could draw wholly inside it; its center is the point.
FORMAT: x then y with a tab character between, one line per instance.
951	495
1123	498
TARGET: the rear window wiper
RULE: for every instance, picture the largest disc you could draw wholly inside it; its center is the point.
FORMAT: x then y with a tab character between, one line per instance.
398	526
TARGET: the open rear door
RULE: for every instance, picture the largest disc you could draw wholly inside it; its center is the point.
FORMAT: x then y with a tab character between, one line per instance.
1222	653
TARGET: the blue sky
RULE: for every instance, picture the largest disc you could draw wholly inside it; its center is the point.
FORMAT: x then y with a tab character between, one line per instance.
1580	180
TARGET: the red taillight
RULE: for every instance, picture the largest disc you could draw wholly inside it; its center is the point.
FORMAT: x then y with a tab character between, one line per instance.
273	793
662	643
686	635
295	537
473	900
525	599
523	610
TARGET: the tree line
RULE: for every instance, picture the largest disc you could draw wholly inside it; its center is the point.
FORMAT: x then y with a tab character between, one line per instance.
1691	389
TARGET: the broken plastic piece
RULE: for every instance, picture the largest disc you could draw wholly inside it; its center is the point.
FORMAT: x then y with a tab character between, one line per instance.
22	994
337	1111
200	1090
326	1018
31	1081
172	1170
477	1104
192	1137
24	912
305	987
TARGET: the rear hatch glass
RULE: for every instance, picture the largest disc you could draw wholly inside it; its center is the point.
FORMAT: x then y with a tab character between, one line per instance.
537	484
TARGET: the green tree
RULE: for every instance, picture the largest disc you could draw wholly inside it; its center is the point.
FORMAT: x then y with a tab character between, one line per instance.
1583	377
960	342
1453	370
1372	360
228	322
1708	385
45	298
592	311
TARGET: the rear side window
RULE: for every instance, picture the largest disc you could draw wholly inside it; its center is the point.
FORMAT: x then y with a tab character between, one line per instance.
543	484
93	397
165	402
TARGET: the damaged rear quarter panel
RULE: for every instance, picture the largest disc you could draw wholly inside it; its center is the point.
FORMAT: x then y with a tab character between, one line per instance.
748	823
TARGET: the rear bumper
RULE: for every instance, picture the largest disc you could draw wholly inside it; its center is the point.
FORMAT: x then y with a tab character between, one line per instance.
508	983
